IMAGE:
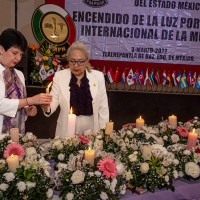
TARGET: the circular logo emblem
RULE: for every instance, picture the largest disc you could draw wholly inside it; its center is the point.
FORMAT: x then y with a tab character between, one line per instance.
51	24
95	3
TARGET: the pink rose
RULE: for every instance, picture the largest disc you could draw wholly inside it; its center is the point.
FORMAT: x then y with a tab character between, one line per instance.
36	58
183	131
37	63
40	59
83	139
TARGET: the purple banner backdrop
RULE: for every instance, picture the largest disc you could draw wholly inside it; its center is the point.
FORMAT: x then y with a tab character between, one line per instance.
156	31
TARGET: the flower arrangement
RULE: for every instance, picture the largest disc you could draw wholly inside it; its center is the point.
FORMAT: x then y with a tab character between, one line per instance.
32	179
44	67
80	181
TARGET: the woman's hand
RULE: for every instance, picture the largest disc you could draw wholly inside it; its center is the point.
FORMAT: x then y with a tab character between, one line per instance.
31	111
41	98
45	108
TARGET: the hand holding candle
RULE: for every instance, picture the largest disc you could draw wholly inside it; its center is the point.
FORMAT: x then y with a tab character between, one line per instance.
89	156
47	91
173	121
192	139
14	134
139	122
109	128
71	125
13	162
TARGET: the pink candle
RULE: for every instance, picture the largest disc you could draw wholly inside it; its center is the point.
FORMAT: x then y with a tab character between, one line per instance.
192	139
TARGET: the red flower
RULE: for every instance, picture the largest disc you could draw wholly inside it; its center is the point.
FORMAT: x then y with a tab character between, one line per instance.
183	131
83	139
197	150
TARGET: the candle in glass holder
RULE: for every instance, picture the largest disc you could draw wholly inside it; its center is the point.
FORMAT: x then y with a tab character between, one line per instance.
13	162
14	134
173	121
109	128
47	91
71	125
139	122
192	139
89	156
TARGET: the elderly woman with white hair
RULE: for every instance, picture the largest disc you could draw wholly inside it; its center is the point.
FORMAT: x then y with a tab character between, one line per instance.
81	88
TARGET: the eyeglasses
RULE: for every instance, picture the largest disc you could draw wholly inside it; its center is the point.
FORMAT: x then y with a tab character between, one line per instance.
79	62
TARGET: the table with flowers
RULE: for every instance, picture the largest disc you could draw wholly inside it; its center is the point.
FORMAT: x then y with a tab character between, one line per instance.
163	159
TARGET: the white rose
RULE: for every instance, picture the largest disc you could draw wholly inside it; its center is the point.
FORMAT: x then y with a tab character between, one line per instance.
70	196
192	169
176	161
120	168
61	156
78	177
103	196
135	130
2	162
132	157
175	138
180	174
165	138
59	147
9	176
144	167
30	151
30	185
3	187
21	186
98	144
167	178
130	134
57	142
49	193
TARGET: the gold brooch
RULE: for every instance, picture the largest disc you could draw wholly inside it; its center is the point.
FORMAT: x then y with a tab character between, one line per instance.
94	84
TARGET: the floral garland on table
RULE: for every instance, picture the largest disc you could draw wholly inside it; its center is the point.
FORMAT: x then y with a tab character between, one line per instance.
43	67
80	181
32	179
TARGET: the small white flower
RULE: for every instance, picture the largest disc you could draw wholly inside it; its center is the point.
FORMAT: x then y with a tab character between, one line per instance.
103	196
120	168
187	152
180	174
70	196
165	138
9	176
3	187
176	161
132	157
2	162
57	142
61	157
130	134
175	174
167	178
30	151
192	169
60	146
144	167
107	183
97	173
122	189
128	175
30	184
91	174
49	193
175	138
21	186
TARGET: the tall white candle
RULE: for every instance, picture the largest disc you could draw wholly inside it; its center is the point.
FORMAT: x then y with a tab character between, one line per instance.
139	122
109	128
47	91
13	162
71	124
14	134
173	121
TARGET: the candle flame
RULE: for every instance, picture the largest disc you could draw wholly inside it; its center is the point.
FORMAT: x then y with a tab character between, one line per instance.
89	149
140	117
71	110
50	84
12	156
193	130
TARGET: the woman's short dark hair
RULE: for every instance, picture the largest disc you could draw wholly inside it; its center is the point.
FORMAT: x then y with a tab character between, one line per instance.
13	38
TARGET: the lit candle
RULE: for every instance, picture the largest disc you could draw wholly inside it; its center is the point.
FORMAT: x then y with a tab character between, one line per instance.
89	156
71	124
14	134
109	128
173	121
13	162
192	139
139	122
47	91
